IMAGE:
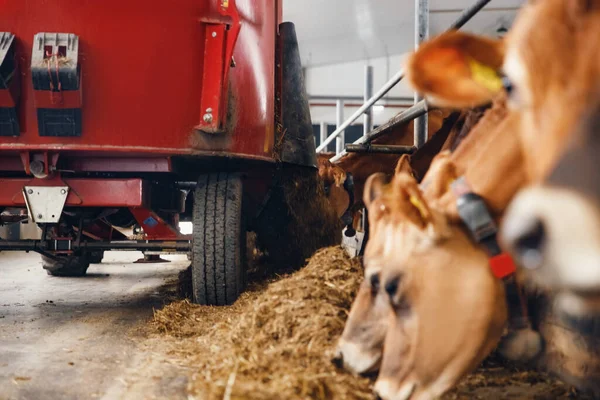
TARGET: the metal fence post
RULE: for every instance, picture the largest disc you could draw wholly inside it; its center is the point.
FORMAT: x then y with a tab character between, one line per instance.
323	132
421	34
368	117
340	141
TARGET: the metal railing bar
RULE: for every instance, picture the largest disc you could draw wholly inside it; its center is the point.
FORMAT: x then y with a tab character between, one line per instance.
358	98
380	93
415	111
379	148
468	13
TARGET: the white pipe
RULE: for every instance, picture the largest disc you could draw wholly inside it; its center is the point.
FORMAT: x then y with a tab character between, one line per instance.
340	141
421	34
323	132
368	117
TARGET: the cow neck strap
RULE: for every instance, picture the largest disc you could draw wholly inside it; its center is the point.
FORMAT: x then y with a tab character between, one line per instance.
476	216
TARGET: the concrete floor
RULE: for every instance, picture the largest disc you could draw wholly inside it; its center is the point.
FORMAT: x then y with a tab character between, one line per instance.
75	338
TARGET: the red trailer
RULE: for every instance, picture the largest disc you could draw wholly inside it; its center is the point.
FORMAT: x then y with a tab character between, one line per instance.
122	113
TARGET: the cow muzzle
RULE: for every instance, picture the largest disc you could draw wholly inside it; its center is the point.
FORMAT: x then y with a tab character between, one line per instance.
352	357
386	389
554	234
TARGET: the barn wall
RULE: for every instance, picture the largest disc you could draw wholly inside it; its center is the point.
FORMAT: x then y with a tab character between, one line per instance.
347	79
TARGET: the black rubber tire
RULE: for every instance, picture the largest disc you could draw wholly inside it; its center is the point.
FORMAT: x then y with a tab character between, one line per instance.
218	257
66	266
96	257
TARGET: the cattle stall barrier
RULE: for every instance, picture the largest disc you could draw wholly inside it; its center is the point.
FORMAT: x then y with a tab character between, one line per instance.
419	109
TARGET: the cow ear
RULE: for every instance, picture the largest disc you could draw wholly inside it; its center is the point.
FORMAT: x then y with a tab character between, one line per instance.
457	70
403	165
421	212
441	174
411	201
339	176
374	188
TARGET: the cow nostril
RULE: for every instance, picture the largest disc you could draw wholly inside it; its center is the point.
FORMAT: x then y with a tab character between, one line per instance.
391	287
377	396
338	359
529	244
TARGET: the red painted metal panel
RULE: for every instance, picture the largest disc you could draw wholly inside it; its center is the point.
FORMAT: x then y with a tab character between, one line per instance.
6	99
155	228
142	63
62	99
83	192
100	230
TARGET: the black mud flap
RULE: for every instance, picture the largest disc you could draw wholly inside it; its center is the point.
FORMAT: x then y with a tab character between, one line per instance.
294	139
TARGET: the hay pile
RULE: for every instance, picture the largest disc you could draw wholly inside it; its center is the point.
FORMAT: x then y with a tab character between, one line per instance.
498	379
274	343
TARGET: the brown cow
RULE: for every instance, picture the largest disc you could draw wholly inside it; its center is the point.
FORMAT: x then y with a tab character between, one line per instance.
448	310
546	99
437	280
548	103
361	165
333	178
446	130
360	347
554	228
475	157
454	128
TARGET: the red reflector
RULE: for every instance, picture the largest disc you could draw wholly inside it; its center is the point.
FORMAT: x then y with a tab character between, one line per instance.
502	265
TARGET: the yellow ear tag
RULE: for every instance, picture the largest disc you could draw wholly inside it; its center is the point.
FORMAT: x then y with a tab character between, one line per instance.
485	76
419	206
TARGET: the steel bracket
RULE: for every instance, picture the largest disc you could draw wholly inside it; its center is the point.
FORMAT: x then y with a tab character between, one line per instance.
221	36
45	203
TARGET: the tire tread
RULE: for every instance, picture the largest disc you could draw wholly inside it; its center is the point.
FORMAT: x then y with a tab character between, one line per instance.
217	260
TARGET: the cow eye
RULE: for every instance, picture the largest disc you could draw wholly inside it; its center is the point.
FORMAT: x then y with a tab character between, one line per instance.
507	84
374	283
511	90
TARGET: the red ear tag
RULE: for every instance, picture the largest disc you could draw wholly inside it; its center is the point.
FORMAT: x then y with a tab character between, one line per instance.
502	265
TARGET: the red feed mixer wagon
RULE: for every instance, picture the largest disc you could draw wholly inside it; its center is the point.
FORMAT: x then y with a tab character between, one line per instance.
143	113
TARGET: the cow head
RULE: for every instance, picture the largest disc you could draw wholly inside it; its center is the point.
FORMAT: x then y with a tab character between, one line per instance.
333	178
398	216
446	311
448	314
359	349
549	66
554	228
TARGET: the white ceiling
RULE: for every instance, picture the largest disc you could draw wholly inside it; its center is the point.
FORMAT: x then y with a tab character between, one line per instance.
338	31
